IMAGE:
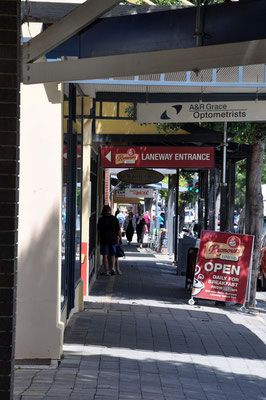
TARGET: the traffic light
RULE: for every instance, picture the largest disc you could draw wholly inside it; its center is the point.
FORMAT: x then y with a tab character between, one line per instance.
193	187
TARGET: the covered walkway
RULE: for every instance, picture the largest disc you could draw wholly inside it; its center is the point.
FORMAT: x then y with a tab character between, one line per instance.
139	339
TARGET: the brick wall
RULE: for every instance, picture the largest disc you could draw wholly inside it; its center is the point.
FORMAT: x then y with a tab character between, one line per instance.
9	153
106	187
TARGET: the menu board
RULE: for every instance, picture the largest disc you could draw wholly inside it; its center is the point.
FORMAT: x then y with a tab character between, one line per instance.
222	267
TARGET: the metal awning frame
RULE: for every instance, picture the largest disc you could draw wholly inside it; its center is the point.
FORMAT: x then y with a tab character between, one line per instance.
242	47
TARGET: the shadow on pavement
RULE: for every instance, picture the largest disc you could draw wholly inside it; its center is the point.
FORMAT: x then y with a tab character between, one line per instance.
138	339
143	352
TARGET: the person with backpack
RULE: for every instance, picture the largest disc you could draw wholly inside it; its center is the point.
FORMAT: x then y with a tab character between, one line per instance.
140	228
121	219
130	226
109	234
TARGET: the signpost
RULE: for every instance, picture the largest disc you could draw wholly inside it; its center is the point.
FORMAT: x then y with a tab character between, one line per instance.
223	267
157	157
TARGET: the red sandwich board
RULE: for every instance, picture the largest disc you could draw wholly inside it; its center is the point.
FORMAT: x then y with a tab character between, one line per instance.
222	268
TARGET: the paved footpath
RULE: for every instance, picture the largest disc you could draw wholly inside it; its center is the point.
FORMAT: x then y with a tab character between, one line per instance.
139	339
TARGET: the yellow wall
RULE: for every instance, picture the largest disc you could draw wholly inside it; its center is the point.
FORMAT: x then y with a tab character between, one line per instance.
113	126
118	126
108	126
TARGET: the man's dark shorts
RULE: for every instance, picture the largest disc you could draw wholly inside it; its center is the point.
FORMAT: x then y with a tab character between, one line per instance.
108	249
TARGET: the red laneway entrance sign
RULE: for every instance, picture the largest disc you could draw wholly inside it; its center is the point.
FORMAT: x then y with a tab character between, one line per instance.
161	157
222	267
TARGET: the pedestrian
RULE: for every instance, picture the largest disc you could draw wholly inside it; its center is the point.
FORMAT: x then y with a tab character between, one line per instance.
121	219
130	226
162	220
108	234
117	269
147	220
140	228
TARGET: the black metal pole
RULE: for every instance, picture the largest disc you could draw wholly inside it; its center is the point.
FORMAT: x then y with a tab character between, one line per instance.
231	196
200	203
206	197
212	199
9	185
71	199
247	218
176	216
223	184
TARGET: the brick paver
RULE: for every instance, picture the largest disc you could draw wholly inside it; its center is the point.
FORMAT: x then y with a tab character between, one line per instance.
138	339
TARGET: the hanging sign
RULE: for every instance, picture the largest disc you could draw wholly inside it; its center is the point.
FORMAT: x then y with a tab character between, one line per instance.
126	200
201	112
157	157
140	176
120	193
139	192
223	265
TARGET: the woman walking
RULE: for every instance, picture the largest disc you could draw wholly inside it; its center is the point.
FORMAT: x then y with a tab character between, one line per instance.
140	228
130	226
147	220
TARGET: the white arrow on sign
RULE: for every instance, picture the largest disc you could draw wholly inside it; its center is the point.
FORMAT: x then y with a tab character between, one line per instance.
109	156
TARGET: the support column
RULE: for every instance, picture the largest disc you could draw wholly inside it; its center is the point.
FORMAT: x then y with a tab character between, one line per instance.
170	221
200	202
206	198
9	156
107	199
212	199
247	216
86	189
176	230
231	196
223	208
39	332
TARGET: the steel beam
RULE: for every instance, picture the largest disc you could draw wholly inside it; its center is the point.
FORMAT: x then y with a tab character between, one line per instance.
45	12
196	58
65	28
232	34
224	23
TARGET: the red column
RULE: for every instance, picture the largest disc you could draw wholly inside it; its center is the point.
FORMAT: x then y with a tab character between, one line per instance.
107	187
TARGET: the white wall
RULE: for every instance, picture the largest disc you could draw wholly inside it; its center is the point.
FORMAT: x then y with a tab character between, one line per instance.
39	333
39	330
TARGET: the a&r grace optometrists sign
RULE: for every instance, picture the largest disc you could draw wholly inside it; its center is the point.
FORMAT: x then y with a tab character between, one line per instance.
162	157
223	265
201	112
